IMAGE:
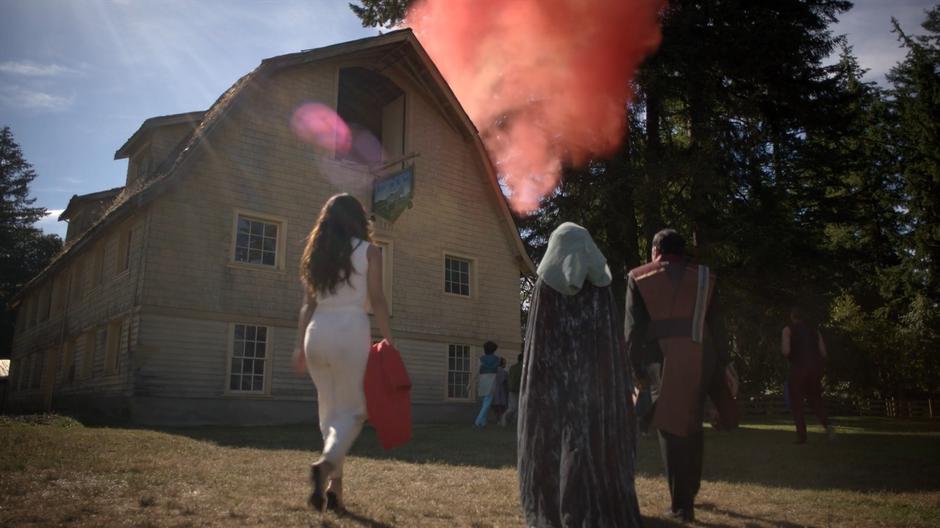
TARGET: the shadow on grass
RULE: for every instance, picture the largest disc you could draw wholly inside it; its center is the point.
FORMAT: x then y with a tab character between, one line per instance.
359	519
492	448
747	520
869	455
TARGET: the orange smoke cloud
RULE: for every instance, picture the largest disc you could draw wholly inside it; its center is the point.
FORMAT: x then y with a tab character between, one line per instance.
546	82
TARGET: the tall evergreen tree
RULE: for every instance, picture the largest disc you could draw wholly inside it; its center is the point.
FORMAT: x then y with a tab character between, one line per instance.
24	250
385	13
16	211
915	92
796	180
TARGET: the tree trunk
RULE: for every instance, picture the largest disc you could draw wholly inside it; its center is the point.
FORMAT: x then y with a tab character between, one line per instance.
651	206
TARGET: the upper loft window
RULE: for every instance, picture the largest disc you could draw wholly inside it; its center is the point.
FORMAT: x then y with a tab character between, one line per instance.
457	275
374	108
258	240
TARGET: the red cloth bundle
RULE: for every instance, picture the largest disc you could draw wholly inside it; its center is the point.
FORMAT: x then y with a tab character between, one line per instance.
388	395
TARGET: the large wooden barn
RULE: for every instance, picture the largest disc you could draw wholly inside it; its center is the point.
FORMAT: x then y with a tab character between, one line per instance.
175	298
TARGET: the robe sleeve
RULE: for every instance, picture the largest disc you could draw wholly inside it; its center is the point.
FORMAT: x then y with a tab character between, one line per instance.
635	325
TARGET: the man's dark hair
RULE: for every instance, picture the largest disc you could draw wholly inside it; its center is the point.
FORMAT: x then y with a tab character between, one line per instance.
796	313
489	347
669	242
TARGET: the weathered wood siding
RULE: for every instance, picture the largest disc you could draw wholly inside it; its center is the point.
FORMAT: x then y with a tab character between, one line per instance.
98	302
253	163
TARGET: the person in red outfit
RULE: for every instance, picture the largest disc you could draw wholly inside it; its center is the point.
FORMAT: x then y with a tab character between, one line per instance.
803	345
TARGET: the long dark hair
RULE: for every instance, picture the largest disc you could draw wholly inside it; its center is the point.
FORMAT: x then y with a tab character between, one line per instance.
327	258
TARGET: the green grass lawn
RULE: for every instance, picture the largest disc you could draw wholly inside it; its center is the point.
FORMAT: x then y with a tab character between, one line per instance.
54	471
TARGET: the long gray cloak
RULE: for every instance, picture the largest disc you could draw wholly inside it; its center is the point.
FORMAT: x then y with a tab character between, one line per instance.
577	427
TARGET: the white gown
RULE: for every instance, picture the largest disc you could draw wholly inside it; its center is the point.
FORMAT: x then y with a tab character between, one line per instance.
336	345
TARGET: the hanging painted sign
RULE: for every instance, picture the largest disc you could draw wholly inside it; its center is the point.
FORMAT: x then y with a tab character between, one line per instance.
392	195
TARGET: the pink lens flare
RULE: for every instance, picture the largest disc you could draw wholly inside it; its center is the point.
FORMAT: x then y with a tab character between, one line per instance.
319	125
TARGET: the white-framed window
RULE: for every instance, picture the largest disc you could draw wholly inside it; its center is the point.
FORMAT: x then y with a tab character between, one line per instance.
258	240
88	354
458	372
250	359
68	360
458	275
112	347
35	375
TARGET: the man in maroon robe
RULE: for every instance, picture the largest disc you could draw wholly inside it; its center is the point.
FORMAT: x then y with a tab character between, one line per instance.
803	345
678	347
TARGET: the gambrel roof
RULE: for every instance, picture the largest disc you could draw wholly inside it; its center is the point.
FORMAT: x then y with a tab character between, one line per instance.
193	118
78	200
400	48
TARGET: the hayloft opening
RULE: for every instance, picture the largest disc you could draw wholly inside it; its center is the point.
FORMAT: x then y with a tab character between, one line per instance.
374	108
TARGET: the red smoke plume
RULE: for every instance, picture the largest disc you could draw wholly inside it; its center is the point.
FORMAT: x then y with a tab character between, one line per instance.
544	81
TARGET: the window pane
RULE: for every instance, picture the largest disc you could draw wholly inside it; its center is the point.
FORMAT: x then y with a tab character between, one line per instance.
239	349
458	375
236	366
241	240
259	367
246	383
256	242
239	331
259	383
250	332
456	276
259	350
262	333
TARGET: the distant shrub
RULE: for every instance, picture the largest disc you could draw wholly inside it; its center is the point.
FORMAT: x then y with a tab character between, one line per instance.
54	420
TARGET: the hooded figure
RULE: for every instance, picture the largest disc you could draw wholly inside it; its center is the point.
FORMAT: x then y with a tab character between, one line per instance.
576	419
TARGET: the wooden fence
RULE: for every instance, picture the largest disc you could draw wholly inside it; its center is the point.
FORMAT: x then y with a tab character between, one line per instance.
842	407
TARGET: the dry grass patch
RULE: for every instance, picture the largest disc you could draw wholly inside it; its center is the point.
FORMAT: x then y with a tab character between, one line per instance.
57	472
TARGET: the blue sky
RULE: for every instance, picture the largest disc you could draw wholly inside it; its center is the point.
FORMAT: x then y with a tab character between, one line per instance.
77	77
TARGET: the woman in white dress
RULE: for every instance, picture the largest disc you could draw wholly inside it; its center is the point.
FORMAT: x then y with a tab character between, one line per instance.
342	275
